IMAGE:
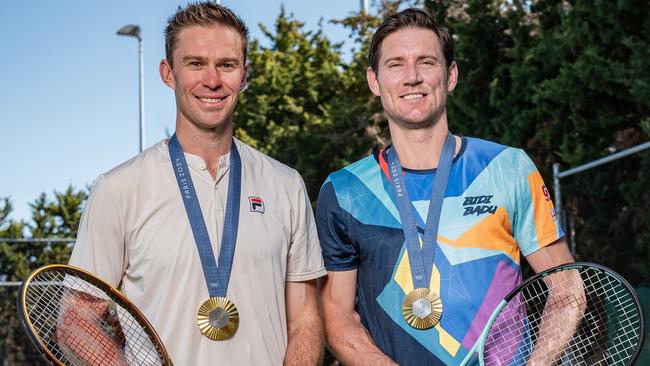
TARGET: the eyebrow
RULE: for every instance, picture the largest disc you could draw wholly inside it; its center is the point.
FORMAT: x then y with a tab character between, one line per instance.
204	59
232	60
399	58
193	58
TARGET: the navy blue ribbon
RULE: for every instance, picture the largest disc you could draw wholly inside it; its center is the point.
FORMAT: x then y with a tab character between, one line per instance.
216	277
421	260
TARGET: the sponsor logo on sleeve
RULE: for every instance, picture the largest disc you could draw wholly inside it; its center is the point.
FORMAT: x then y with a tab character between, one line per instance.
545	192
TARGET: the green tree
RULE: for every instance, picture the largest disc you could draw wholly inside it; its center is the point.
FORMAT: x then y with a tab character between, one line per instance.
299	104
470	109
593	105
52	219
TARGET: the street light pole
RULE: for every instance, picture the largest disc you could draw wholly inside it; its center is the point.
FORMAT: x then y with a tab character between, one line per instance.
132	30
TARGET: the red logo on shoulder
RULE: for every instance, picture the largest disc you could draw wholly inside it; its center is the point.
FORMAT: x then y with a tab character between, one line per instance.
547	195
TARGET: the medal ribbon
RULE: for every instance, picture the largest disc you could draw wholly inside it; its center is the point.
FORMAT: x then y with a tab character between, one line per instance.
421	260
216	277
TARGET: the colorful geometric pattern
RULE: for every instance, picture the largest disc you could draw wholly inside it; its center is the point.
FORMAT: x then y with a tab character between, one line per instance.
496	208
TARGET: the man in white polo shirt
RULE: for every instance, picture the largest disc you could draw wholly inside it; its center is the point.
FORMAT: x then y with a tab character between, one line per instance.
252	220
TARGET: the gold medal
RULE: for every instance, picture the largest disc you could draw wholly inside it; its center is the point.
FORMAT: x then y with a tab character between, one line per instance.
218	318
422	308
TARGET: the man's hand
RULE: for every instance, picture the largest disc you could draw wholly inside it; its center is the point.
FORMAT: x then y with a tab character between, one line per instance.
80	333
347	338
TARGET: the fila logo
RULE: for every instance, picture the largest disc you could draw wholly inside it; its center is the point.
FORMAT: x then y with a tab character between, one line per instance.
256	204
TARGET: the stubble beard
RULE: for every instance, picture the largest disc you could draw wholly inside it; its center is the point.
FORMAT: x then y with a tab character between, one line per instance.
426	123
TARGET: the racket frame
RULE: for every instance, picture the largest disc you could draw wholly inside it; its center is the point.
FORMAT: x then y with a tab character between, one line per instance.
480	344
99	283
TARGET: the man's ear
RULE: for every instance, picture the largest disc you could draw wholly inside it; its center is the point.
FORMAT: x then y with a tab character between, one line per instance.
166	74
452	76
372	82
244	82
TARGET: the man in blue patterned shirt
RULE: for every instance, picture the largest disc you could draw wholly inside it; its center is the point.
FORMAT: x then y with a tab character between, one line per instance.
495	209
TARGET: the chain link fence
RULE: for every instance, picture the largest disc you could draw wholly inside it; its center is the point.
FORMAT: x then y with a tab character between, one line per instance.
19	257
15	347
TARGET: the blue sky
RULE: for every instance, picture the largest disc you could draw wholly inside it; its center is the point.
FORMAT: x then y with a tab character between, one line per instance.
69	84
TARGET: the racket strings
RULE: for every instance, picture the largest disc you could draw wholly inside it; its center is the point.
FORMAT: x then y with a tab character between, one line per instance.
56	322
594	336
80	324
595	321
43	312
621	318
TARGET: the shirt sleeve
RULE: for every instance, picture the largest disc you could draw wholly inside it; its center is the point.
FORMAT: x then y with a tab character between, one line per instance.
304	261
100	245
333	223
536	224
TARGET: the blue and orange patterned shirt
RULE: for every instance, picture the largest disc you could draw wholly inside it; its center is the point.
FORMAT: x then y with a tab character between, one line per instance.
496	208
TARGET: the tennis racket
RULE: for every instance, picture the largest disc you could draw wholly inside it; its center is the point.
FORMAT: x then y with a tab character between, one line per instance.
75	318
573	314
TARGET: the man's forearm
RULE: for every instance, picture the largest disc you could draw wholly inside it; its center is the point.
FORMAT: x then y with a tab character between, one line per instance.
350	341
305	344
561	316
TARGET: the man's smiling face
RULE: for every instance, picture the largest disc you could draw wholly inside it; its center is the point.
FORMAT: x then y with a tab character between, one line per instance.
412	78
208	73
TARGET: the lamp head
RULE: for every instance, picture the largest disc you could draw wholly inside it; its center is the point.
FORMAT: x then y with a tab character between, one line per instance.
130	30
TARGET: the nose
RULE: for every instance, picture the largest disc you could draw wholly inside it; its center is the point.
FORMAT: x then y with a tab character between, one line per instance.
412	74
212	78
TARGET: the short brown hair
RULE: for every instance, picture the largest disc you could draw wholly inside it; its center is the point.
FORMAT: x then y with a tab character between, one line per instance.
202	13
409	18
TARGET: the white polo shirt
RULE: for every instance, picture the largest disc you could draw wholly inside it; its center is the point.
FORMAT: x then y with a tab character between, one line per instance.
135	234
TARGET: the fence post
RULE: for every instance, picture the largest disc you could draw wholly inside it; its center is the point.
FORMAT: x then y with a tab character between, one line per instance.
557	194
